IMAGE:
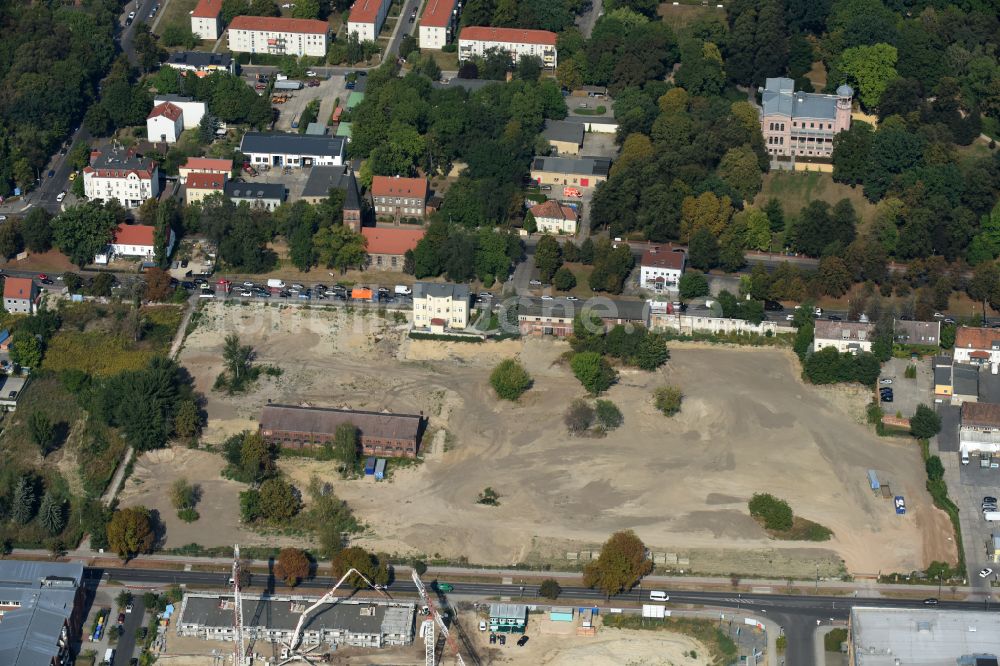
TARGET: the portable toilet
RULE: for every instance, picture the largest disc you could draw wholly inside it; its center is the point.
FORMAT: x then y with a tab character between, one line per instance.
370	466
380	469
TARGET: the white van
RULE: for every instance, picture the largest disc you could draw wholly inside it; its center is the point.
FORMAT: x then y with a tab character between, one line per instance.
207	294
657	595
965	457
275	284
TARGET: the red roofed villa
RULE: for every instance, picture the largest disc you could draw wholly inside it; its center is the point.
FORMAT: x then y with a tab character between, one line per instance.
367	17
475	41
396	197
19	295
662	267
387	246
975	345
133	240
551	217
437	23
279	36
205	165
121	175
206	19
199	185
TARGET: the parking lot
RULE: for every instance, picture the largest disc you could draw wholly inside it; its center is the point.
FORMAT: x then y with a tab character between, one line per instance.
907	393
599	144
327	91
312	293
976	483
293	179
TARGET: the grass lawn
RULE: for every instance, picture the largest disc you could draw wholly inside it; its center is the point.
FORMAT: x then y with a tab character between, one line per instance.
599	111
448	62
44	394
796	189
686	13
177	11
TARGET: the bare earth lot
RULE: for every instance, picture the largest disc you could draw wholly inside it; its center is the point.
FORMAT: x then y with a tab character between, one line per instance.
748	424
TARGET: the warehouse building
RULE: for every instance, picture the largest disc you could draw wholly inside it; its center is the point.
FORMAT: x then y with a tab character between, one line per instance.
583	171
360	623
915	637
381	433
41	611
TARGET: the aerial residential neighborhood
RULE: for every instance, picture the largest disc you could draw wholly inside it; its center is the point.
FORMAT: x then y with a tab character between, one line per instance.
473	332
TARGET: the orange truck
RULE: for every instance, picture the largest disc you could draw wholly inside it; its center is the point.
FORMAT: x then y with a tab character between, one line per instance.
572	192
361	294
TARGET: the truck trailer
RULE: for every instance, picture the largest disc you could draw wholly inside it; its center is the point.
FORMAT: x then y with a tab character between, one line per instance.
992	516
288	85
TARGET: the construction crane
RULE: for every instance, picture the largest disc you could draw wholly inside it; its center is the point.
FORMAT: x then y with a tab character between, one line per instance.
429	654
240	656
293	644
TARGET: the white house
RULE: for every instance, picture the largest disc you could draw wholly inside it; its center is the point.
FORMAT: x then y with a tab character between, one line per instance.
164	123
844	336
438	306
661	268
279	36
367	17
475	41
979	346
206	19
295	150
122	176
551	217
133	240
19	295
192	111
437	23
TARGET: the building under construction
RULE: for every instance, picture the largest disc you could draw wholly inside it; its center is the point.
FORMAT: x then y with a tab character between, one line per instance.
357	623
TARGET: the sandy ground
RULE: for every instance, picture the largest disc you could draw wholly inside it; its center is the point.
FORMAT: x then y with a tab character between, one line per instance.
557	644
748	424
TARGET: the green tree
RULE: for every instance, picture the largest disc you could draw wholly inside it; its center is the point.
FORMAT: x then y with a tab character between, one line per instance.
925	422
306	9
278	500
250	457
773	512
548	257
563	280
101	284
339	247
934	468
52	513
871	67
608	415
651	352
530	225
740	170
183	495
593	371
237	358
81	232
292	566
36	229
668	399
549	589
345	443
187	423
758	230
692	285
579	416
24	501
357	558
43	432
621	564
26	350
130	532
703	250
10	239
510	380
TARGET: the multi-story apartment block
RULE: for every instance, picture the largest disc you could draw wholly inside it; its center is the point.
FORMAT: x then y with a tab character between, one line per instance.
367	17
437	25
399	197
206	19
124	176
475	41
800	124
279	36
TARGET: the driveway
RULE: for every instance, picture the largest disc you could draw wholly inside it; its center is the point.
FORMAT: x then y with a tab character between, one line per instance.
588	19
126	641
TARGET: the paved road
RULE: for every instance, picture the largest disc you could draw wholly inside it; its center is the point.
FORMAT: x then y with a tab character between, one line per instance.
126	641
402	28
588	19
797	614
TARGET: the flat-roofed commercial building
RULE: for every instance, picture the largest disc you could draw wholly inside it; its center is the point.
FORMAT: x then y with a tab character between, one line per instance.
918	637
42	607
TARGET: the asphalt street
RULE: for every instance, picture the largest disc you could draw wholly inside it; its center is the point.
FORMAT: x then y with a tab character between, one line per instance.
126	641
799	615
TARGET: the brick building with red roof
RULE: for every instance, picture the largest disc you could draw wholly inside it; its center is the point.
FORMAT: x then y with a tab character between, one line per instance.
199	185
387	246
279	36
165	123
399	198
133	240
977	345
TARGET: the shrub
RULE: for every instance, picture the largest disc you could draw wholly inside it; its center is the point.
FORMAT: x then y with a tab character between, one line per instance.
509	379
550	589
668	399
925	423
489	497
579	416
593	371
188	515
564	280
608	414
773	512
911	372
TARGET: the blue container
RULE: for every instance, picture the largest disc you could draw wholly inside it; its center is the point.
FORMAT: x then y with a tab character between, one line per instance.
370	466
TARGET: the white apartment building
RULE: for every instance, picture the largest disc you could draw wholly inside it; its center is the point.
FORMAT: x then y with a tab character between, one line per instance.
122	176
438	306
438	22
661	268
475	41
193	111
206	19
367	17
279	36
164	123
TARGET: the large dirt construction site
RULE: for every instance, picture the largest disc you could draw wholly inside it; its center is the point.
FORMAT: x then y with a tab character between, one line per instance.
748	425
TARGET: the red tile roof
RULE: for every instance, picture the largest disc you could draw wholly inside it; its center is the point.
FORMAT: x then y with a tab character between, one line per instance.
134	234
553	210
981	414
387	240
970	337
205	181
365	11
272	24
437	13
167	110
14	287
207	9
208	164
508	35
385	186
663	257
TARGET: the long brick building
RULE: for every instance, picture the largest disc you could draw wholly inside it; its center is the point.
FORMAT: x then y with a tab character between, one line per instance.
381	433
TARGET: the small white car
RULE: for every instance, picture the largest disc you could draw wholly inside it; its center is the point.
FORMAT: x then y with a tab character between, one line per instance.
60	196
885	381
789	317
985	573
310	73
546	298
535	283
818	312
482	625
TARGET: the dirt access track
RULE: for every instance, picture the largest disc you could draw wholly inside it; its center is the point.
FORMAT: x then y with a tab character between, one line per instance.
748	425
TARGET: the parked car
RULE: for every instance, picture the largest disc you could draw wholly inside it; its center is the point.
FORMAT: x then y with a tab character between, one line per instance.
773	306
310	72
51	173
900	505
61	196
834	317
535	283
938	315
985	573
546	297
296	285
989	500
818	312
885	381
482	625
789	317
246	293
248	283
522	641
128	608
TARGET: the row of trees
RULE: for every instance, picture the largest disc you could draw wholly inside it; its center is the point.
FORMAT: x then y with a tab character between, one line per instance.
612	263
460	254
